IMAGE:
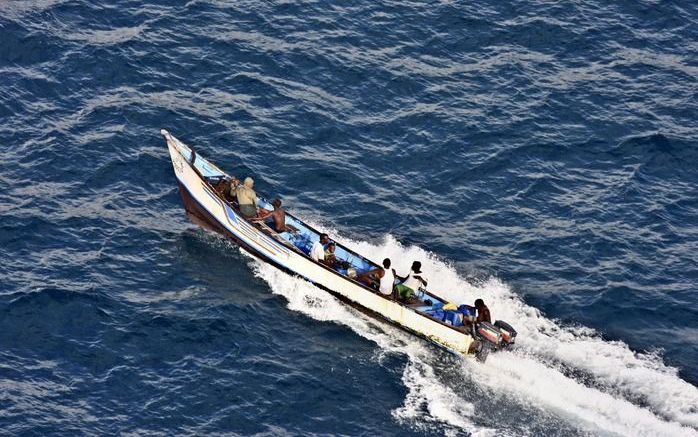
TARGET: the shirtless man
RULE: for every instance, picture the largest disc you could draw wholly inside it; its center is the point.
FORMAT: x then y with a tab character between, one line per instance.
277	217
483	313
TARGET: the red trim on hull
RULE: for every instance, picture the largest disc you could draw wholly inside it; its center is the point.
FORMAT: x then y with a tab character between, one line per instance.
197	214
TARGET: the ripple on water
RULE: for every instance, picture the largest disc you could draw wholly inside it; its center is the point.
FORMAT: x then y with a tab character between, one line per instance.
544	149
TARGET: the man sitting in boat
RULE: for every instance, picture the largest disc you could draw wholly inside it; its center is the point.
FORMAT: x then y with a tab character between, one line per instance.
247	198
483	313
330	258
332	261
381	279
317	252
412	282
387	280
229	188
277	218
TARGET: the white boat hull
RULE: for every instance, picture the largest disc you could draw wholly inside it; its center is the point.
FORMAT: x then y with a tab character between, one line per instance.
206	205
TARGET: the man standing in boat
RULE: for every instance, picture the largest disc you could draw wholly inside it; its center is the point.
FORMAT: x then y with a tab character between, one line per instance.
277	218
247	198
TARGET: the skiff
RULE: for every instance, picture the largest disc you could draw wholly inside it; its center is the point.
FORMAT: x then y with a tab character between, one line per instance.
425	316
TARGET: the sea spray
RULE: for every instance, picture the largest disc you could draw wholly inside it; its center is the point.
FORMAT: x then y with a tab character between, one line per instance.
311	301
533	373
611	364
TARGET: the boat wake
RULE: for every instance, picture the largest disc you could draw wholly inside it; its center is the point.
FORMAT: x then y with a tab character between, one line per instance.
558	377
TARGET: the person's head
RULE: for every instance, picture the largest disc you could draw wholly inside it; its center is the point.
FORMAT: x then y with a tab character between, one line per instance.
479	303
417	267
386	263
276	203
331	246
249	182
324	238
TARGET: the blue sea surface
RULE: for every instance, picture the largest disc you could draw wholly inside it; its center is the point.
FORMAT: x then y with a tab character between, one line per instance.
540	155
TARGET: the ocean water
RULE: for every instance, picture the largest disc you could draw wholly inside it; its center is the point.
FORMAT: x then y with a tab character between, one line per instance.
539	155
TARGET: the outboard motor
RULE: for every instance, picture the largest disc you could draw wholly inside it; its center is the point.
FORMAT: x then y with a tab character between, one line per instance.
487	337
489	332
482	349
491	337
508	333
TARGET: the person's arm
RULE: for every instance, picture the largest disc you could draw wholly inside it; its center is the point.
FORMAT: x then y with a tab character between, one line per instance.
422	280
377	272
366	278
263	214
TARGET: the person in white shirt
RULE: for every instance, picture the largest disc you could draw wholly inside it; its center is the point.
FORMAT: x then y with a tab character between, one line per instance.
388	279
317	252
380	279
410	284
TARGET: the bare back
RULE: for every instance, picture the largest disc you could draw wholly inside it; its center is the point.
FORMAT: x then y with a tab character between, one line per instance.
279	216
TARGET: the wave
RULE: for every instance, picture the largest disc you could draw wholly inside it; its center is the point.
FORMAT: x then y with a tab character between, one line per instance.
570	373
424	390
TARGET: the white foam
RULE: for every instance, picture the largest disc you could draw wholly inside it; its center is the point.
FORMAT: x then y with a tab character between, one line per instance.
613	365
534	382
426	393
534	373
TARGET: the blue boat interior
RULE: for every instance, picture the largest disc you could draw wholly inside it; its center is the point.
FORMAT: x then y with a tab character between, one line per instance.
458	317
305	237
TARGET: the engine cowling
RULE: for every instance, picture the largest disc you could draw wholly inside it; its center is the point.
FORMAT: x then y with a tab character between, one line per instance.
489	332
508	333
500	334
